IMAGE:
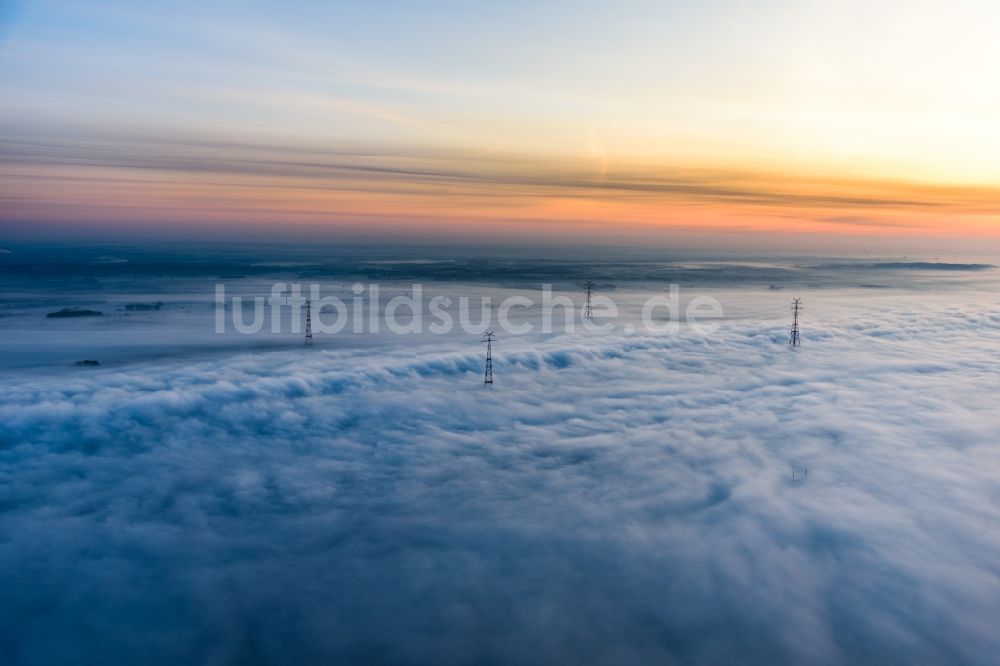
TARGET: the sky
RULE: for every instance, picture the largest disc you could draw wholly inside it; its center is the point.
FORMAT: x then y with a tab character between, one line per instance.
819	125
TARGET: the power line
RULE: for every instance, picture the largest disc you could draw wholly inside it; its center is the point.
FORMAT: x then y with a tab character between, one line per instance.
489	337
793	338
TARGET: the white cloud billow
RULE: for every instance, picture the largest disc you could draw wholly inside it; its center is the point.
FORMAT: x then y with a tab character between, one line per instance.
612	499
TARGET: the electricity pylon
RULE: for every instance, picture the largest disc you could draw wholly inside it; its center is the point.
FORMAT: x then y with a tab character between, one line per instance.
489	337
588	311
793	339
309	323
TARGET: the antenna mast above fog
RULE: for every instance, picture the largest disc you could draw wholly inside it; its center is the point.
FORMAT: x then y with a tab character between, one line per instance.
309	323
588	310
489	337
793	339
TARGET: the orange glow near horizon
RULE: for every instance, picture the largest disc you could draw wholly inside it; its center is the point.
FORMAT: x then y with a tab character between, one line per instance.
522	197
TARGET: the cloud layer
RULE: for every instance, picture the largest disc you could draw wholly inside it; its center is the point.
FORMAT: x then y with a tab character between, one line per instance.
610	500
159	179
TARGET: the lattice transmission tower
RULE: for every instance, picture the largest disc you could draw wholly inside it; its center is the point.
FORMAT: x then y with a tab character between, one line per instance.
489	337
794	339
309	323
588	310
